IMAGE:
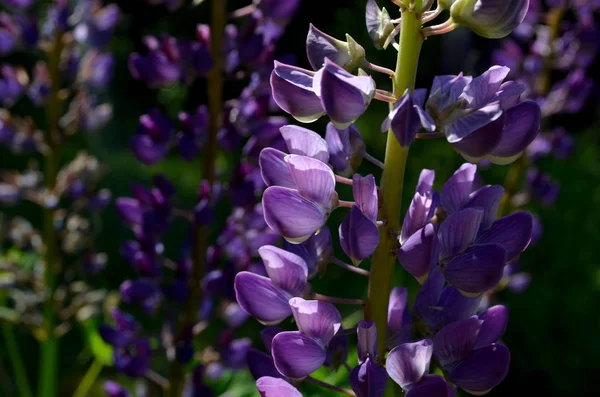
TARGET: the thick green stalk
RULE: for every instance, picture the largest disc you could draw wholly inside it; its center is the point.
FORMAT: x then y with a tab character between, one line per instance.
201	233
19	372
384	258
48	371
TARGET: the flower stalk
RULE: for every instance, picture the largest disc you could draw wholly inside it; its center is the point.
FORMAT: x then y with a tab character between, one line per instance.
201	233
384	259
48	371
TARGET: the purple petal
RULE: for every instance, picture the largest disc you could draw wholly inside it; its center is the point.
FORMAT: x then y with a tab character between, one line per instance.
458	231
129	211
286	270
522	126
456	306
368	379
488	198
484	88
366	332
419	252
261	364
407	118
320	45
344	97
275	387
146	150
478	269
484	369
431	386
359	236
267	334
260	298
292	89
398	313
406	364
296	355
455	342
494	324
316	318
364	190
483	139
304	142
345	147
457	189
425	184
274	169
288	213
513	232
417	216
314	179
316	251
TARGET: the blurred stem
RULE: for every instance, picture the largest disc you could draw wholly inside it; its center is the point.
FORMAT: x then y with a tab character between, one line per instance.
14	354
200	242
48	371
384	258
516	173
89	379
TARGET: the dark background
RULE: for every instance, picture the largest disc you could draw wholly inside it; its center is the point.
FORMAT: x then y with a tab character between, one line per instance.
554	325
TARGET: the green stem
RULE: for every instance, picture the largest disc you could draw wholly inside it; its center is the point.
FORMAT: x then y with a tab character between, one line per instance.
48	371
384	258
17	361
201	233
89	379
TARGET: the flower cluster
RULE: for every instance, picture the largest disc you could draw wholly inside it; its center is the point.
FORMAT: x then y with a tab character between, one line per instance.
46	97
195	288
451	242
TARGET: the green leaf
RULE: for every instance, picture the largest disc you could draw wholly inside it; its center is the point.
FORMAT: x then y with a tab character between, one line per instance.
102	351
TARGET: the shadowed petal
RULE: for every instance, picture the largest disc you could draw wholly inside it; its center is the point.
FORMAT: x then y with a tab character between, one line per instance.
286	270
274	169
304	142
267	334
484	369
260	298
417	216
482	140
478	269
316	318
293	92
431	386
296	355
359	236
366	332
314	179
345	147
368	379
275	387
261	364
457	189
455	341
316	251
398	313
418	253
408	117
288	213
364	190
426	179
458	231
488	198
522	126
513	232
494	324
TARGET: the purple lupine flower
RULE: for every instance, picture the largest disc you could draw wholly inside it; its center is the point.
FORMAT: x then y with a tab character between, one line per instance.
293	92
153	139
259	363
346	148
344	97
94	23
320	46
131	352
142	292
280	12
492	19
542	187
266	298
304	142
408	117
418	238
408	365
379	24
469	354
113	389
317	251
275	387
12	84
192	135
482	117
297	354
399	319
368	379
297	213
359	236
